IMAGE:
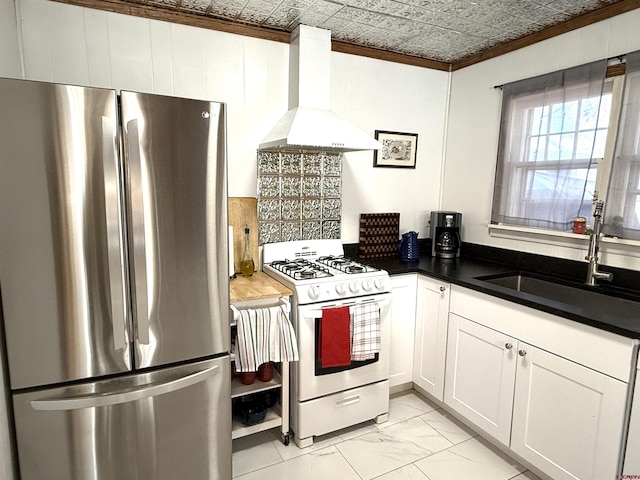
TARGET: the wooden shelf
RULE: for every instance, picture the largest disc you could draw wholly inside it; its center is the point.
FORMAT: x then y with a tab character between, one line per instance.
260	291
271	420
239	389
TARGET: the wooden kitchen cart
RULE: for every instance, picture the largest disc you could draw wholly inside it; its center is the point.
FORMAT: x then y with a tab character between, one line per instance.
259	291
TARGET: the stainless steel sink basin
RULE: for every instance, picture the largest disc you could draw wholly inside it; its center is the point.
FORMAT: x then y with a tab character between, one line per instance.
575	295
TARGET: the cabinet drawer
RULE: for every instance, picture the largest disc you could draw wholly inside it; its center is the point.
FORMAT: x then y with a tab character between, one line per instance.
345	408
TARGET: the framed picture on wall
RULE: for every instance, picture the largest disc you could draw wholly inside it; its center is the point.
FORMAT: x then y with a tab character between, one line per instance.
398	150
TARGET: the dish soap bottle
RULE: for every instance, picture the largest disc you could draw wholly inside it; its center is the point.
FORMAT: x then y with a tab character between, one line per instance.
246	262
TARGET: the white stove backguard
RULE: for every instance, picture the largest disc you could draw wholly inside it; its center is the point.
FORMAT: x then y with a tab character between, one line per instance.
309	249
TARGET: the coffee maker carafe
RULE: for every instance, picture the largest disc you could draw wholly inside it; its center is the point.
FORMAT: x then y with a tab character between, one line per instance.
445	234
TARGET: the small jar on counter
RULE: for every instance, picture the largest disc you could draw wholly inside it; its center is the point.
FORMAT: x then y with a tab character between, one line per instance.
579	225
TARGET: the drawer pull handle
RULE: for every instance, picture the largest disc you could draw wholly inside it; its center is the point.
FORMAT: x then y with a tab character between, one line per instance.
348	401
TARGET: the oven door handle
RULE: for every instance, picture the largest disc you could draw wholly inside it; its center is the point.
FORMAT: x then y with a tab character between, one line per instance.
311	314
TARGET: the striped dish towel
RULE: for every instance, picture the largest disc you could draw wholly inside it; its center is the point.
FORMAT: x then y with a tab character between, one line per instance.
366	331
264	334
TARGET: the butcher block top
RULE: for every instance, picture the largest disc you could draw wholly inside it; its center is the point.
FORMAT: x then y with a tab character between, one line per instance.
256	287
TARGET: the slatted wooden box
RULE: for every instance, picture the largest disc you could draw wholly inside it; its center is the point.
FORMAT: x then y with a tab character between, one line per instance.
379	235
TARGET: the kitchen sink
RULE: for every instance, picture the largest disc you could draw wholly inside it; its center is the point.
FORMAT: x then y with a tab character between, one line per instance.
589	298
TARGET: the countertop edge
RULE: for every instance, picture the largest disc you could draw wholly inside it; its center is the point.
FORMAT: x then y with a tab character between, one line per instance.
464	272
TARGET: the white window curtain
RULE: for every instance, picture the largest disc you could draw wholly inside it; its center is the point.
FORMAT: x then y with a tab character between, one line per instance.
622	207
553	129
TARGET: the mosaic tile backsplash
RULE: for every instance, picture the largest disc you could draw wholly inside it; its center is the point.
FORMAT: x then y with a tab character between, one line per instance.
299	196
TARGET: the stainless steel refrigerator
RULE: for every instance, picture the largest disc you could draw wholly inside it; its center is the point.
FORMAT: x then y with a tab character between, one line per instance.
114	283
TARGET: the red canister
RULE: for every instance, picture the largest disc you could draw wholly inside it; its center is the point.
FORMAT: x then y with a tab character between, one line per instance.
579	225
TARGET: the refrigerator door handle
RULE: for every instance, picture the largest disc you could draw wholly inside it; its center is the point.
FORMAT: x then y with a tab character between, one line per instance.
114	232
137	182
124	395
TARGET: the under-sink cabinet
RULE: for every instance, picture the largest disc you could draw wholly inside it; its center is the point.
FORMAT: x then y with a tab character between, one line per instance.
553	391
260	291
430	338
403	319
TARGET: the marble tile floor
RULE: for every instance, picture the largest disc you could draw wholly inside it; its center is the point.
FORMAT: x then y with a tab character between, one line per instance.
419	442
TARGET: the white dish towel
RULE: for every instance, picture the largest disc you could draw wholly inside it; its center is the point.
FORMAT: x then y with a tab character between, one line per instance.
365	341
264	334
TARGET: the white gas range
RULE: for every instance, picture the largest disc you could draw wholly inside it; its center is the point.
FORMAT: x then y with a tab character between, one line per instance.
317	271
326	399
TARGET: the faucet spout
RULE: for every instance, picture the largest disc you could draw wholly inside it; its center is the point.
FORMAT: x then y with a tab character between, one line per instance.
593	274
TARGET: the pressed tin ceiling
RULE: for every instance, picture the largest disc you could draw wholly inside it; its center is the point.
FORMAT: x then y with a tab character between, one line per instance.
446	32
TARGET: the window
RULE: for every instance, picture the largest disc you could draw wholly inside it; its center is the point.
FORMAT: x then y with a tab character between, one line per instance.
553	131
562	137
568	138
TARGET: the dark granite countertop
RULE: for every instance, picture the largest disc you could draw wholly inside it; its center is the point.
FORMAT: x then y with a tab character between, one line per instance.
465	271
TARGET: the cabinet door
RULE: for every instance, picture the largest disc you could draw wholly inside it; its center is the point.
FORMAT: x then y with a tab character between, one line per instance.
403	317
567	419
430	346
480	376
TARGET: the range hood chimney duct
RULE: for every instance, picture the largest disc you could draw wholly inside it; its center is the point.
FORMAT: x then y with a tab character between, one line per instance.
309	124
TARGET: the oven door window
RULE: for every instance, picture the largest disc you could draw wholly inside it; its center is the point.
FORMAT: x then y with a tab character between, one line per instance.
319	370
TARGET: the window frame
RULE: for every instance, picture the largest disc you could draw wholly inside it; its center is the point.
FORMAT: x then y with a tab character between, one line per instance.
614	83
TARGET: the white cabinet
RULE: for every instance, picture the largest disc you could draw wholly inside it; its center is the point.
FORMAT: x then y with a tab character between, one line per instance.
480	376
567	419
403	318
514	373
632	459
431	336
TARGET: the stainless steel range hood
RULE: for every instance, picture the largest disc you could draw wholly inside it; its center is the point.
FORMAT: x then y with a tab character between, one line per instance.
309	124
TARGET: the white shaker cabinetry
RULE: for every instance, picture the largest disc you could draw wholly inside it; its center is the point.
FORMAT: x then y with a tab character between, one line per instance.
536	383
431	336
403	318
567	419
632	458
480	376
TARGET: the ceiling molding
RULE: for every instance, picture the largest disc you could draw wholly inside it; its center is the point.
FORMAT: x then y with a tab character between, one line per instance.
196	20
580	21
173	16
389	56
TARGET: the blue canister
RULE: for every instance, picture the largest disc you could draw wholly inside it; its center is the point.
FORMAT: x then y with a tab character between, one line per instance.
409	246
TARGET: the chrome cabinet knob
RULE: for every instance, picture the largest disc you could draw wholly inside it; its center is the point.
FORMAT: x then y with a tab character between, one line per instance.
443	289
508	346
522	353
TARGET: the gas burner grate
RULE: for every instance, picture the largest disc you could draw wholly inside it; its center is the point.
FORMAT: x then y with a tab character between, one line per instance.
301	269
346	265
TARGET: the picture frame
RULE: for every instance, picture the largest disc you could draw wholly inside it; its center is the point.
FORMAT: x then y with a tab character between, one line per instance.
398	149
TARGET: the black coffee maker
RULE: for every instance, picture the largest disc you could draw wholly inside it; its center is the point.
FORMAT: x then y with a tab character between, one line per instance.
445	234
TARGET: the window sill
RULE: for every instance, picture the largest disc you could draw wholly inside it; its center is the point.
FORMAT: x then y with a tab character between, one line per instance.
616	246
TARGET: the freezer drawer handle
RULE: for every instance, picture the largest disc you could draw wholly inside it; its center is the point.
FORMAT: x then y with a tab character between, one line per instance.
124	395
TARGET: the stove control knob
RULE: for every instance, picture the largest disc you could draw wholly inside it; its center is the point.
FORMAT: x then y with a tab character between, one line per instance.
366	285
379	283
313	292
341	289
354	287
